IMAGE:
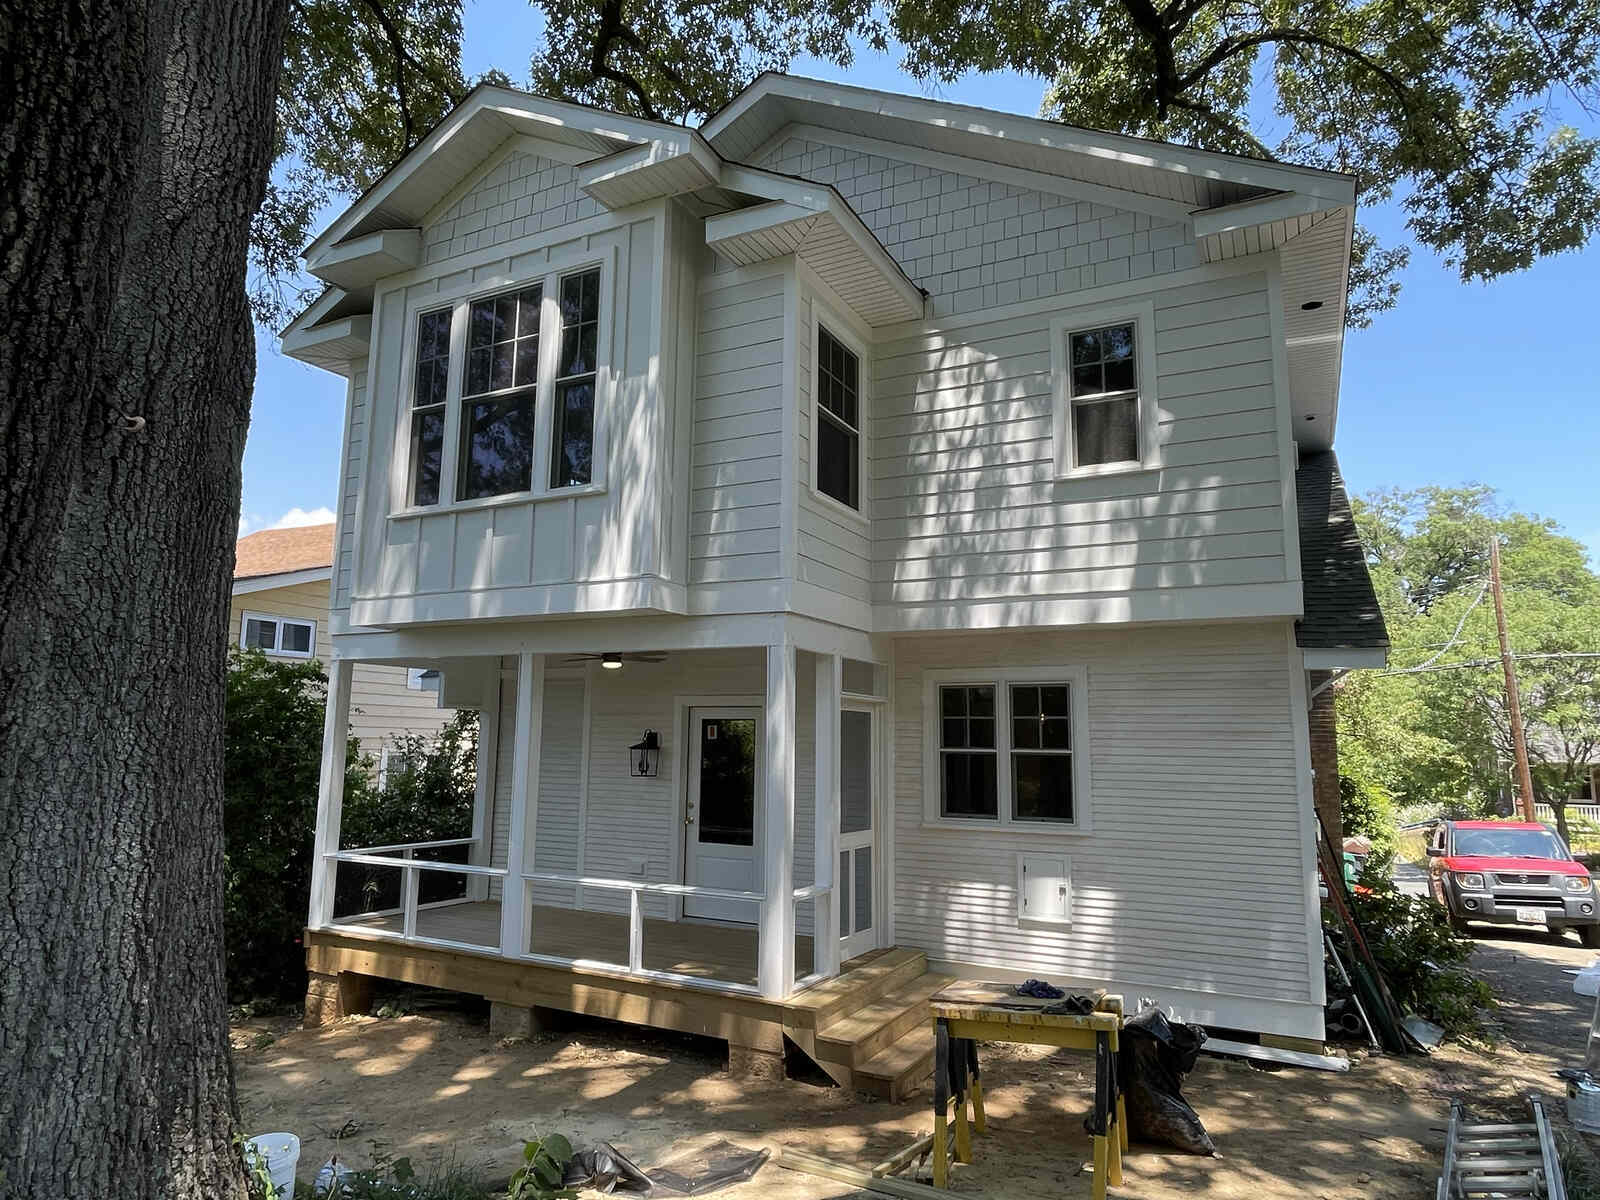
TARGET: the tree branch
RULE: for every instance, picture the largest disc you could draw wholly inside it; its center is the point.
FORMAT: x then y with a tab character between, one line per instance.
1229	47
398	45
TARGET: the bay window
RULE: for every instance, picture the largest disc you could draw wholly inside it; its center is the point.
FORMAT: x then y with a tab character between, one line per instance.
507	379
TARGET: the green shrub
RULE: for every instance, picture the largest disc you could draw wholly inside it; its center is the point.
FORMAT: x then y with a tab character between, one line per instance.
272	758
397	1179
1423	960
272	755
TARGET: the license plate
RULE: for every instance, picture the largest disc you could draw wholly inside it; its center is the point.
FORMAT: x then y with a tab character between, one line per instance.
1530	916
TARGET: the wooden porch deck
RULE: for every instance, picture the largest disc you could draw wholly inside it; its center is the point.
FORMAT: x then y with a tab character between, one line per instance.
697	949
868	1027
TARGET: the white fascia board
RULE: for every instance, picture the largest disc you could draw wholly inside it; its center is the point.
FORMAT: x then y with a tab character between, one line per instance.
685	143
506	105
361	262
1262	210
1346	658
266	583
1033	131
315	312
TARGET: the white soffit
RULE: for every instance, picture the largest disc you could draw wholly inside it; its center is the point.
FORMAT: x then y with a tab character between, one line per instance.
333	333
1316	271
821	230
668	167
359	262
1197	178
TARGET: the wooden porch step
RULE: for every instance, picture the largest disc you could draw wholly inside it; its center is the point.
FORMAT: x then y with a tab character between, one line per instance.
862	983
857	1037
900	1068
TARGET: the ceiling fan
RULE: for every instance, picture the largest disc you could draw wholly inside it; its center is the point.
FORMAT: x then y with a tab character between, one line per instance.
613	661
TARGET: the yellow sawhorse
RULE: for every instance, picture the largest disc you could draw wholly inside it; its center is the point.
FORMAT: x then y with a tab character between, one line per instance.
966	1014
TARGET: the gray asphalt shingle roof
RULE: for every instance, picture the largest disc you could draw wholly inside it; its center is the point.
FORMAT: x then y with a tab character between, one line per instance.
1341	607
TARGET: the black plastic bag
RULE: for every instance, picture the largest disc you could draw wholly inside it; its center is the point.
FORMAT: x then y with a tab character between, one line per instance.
1154	1057
606	1169
716	1166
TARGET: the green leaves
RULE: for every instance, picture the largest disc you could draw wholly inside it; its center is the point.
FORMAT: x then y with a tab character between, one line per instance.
544	1166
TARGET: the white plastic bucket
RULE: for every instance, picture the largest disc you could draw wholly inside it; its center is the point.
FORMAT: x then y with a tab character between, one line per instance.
281	1153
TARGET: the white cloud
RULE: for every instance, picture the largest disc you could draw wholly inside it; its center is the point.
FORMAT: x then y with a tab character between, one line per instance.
296	517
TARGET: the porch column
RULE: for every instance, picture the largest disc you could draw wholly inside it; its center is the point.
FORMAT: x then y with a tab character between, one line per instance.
775	973
330	793
524	815
825	936
483	796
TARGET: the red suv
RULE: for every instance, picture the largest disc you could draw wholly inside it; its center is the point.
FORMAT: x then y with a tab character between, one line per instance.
1511	873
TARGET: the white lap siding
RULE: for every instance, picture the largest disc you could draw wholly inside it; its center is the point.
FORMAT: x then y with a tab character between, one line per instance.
632	826
1192	886
737	441
968	510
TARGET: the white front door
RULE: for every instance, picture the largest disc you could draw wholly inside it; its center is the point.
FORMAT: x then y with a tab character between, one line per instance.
858	798
722	840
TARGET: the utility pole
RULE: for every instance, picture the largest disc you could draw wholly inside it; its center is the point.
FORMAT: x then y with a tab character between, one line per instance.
1519	742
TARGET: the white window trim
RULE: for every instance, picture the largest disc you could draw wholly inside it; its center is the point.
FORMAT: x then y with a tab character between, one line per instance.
823	317
1142	315
1077	678
279	622
459	299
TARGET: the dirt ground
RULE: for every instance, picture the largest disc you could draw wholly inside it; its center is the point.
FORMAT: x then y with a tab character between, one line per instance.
434	1084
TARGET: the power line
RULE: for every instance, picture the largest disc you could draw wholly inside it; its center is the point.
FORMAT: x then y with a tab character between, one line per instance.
1484	662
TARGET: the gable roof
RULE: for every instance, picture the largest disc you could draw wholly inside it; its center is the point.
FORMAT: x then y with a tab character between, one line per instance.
1341	609
283	551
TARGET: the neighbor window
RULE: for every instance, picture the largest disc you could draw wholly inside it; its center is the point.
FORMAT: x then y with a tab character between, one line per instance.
278	635
431	382
838	448
572	440
1105	395
497	397
1005	750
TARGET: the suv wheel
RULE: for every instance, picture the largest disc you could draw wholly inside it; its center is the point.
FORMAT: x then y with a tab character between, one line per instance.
1459	925
1589	935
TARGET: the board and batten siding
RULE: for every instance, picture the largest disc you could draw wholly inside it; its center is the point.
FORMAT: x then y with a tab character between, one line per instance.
353	463
524	557
737	441
967	505
1193	881
381	705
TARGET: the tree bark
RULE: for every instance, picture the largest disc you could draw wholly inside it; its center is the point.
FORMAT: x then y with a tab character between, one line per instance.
136	136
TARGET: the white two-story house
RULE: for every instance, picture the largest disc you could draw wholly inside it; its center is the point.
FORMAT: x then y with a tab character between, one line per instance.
869	529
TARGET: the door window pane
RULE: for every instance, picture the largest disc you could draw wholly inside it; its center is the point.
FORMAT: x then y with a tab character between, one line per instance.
843	890
727	781
855	772
861	889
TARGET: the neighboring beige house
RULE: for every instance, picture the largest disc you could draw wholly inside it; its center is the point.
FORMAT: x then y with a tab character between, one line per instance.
280	606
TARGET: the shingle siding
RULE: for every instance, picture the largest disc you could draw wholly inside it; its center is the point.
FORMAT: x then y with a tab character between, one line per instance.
525	194
976	243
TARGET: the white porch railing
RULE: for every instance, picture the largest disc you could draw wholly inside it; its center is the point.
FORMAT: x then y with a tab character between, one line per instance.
403	857
1584	812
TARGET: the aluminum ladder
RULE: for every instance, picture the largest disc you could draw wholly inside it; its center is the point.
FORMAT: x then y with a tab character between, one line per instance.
1500	1160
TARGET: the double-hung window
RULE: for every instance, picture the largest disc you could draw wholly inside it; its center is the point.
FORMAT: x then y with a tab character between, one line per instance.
429	392
278	635
497	398
1105	373
1006	748
838	441
502	382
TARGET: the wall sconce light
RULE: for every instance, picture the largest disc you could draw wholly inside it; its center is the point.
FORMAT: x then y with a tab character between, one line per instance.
644	756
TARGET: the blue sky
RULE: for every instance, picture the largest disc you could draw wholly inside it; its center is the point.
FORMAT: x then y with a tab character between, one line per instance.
1461	383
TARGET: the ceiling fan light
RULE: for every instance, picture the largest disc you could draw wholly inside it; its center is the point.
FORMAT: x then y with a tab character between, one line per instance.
611	662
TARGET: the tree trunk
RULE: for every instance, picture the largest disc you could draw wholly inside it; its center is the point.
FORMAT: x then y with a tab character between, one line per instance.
135	137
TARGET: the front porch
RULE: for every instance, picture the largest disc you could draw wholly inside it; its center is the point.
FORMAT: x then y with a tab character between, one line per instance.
719	885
